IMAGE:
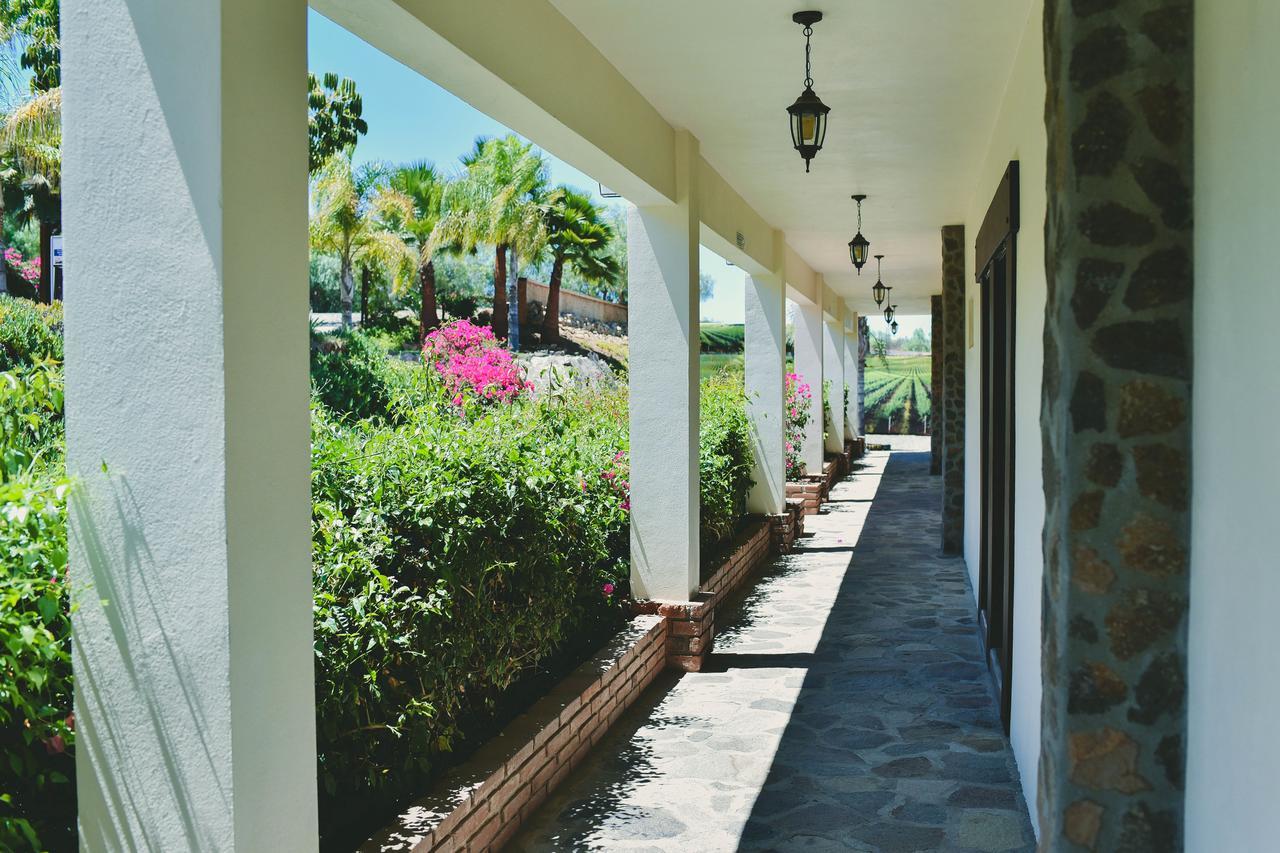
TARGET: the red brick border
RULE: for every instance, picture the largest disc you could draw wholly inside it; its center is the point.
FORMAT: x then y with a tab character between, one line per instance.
484	802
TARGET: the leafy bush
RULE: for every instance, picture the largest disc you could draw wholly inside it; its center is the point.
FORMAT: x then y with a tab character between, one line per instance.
458	305
352	376
37	791
724	457
29	332
452	554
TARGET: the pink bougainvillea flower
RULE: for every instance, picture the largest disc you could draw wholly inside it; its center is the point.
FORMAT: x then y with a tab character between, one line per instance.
55	745
608	475
626	504
607	589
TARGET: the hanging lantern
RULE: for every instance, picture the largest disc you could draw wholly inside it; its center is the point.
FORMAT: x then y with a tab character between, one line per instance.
889	313
808	113
878	290
894	326
859	246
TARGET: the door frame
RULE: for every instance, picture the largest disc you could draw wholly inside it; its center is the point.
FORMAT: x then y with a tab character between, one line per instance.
996	260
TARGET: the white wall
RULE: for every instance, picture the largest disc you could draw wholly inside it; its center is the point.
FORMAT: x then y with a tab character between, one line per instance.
1234	677
1019	134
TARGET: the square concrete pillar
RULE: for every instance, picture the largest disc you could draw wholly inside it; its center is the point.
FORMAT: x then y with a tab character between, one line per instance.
833	371
185	170
765	358
808	323
853	412
662	262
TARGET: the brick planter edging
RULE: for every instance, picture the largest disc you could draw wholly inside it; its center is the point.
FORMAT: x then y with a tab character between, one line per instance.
480	805
809	490
691	624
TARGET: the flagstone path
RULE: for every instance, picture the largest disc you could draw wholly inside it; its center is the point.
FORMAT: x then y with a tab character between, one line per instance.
846	707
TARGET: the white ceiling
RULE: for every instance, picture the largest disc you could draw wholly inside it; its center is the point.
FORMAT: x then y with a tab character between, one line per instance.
914	88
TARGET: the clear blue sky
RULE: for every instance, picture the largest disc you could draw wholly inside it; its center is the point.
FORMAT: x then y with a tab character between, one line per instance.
411	118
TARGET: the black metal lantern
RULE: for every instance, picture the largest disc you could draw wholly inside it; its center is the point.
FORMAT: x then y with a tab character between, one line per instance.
859	246
878	290
808	113
889	313
894	326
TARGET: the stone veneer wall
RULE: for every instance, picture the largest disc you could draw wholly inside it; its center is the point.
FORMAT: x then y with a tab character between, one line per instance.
1115	421
935	386
864	346
953	345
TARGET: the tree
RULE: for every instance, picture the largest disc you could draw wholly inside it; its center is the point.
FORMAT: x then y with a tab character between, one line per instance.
706	287
578	237
411	206
31	176
34	24
344	222
334	124
501	200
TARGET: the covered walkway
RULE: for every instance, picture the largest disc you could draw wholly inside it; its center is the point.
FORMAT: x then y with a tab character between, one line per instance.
846	707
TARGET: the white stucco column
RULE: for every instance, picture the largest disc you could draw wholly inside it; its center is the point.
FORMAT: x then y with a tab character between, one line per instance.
765	361
808	324
185	197
833	370
853	415
662	262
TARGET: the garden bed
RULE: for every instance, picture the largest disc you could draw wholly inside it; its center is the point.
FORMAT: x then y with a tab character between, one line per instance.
482	803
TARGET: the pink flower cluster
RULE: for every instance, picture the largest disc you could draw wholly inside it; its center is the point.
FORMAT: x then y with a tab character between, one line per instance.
799	402
27	270
618	466
472	362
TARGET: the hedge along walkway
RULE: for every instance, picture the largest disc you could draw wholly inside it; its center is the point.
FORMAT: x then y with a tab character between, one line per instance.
846	707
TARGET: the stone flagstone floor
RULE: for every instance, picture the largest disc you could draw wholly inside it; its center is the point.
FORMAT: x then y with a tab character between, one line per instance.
846	707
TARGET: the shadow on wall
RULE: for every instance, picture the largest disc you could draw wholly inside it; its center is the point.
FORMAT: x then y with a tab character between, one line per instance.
148	660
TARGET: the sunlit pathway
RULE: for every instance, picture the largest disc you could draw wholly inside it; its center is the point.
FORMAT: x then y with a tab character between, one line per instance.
846	707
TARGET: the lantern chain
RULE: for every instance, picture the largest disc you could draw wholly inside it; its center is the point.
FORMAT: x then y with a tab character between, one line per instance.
808	75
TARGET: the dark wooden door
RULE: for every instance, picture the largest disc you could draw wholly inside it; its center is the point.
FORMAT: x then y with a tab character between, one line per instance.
997	280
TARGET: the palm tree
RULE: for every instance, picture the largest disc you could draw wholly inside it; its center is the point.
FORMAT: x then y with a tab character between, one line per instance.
31	136
577	236
344	221
500	200
411	208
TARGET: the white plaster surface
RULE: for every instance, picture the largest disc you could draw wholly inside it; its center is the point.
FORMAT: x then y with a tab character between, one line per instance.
662	257
1018	134
187	423
764	362
833	368
1234	677
853	415
808	327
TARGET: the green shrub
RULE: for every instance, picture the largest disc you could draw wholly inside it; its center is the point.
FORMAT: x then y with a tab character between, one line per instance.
29	332
352	376
37	791
724	456
460	306
453	553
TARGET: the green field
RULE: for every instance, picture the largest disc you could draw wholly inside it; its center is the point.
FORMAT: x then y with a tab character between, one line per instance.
713	362
898	396
721	337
